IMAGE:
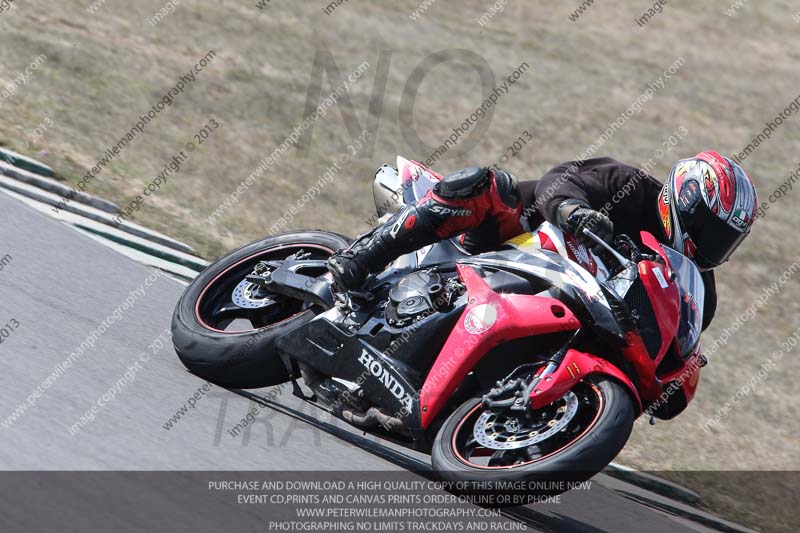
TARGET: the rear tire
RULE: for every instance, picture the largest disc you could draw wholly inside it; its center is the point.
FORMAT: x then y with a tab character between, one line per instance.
578	460
242	359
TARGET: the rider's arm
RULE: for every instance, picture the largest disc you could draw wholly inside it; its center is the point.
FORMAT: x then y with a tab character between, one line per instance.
591	183
611	187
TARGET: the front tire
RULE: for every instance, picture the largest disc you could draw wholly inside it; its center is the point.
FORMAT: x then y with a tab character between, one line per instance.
213	345
576	452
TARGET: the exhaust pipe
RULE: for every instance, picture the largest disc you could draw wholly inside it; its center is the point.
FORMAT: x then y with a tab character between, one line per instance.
372	418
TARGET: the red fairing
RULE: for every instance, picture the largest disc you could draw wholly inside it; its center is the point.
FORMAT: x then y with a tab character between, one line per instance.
665	299
574	368
488	320
651	242
547	242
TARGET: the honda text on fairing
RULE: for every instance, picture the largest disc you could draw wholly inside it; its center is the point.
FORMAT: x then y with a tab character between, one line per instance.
526	363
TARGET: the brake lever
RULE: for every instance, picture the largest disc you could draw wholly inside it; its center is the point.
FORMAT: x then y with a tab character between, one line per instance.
624	261
635	254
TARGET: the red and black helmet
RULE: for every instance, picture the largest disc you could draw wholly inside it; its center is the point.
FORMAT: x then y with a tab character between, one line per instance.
707	207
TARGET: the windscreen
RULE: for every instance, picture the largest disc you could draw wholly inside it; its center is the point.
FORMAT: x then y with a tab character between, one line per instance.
692	292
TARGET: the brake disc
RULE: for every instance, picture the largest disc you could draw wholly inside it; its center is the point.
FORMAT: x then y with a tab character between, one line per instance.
247	296
498	431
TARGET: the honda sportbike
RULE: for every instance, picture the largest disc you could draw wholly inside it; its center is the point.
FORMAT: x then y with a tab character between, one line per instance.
524	363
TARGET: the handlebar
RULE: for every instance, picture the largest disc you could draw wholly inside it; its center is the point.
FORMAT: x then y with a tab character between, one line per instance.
624	261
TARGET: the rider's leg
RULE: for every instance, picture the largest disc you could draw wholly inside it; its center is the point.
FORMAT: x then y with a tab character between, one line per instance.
467	199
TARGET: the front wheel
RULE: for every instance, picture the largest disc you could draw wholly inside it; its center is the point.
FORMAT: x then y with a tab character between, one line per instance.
224	328
569	440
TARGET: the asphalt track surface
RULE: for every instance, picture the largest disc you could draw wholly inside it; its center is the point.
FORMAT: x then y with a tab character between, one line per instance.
59	287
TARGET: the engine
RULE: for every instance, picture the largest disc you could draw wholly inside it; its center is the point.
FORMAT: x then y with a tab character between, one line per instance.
419	295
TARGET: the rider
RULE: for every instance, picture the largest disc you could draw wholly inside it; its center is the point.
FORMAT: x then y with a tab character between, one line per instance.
705	210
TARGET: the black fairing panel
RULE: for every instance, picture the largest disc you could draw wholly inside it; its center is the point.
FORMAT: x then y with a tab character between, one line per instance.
417	345
675	405
506	282
638	301
444	252
386	381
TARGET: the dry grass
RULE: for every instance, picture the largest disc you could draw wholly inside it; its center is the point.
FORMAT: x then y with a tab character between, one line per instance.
104	70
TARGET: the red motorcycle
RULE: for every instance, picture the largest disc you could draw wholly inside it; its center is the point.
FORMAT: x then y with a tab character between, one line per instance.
521	364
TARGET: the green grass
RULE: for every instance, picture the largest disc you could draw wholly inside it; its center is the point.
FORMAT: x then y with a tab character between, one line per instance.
103	70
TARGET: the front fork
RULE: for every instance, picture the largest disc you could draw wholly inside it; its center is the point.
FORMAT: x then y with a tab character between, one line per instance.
516	395
555	377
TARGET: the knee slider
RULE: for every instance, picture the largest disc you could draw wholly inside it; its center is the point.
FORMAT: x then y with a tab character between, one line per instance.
464	183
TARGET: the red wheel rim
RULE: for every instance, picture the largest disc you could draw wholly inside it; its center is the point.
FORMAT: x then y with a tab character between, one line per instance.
250	258
572	441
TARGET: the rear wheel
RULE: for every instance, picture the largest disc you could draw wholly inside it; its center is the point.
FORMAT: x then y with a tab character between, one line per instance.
224	327
569	440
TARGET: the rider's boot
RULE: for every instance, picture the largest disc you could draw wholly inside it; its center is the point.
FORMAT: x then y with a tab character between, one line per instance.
403	233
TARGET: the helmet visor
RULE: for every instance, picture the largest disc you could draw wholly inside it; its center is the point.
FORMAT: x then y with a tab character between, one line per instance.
714	238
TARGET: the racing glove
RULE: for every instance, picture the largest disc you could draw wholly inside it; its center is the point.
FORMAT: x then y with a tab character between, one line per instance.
575	217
